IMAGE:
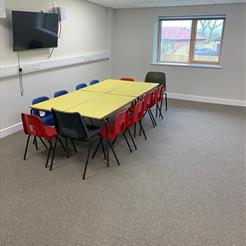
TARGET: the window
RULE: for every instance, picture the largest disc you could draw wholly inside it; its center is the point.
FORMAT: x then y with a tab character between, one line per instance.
189	40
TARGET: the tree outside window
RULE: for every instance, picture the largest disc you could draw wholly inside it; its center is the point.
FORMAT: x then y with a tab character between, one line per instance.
196	40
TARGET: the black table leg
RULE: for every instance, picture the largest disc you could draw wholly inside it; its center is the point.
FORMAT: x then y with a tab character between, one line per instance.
107	141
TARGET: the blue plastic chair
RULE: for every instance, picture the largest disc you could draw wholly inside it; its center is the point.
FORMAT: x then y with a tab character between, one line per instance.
60	93
80	86
46	117
94	81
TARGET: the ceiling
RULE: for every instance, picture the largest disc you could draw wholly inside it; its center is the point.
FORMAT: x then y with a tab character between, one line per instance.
120	4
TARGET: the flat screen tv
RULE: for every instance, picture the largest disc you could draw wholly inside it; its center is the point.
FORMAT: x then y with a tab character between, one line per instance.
33	30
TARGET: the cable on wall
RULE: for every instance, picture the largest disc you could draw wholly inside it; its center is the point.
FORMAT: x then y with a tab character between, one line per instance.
20	70
60	29
51	53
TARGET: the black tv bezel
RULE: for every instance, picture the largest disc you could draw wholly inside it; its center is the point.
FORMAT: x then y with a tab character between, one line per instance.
33	12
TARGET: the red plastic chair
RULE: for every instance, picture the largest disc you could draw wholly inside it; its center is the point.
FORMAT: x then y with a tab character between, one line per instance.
127	79
153	100
146	102
135	116
112	131
33	126
147	105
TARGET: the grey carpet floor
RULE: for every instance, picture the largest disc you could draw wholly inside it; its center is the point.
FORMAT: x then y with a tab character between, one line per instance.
185	186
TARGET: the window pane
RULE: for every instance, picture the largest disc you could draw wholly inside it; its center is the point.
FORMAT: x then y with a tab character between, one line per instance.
174	40
208	40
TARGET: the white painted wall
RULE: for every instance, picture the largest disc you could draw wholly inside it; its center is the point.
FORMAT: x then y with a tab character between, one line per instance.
87	29
134	30
128	36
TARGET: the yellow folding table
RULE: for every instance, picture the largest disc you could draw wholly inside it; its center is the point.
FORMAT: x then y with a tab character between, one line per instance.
121	87
67	101
134	89
102	106
104	86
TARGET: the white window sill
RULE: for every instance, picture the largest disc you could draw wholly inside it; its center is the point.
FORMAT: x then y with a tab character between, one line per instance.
187	65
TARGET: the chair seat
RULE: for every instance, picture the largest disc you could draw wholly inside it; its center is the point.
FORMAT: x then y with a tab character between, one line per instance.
48	119
50	132
93	130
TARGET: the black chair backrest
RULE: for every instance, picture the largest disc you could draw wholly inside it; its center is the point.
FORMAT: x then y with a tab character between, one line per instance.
156	77
70	125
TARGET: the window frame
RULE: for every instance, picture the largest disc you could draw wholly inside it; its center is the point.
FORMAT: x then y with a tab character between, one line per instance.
191	60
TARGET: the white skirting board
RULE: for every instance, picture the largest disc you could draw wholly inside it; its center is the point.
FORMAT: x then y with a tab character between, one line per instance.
10	130
214	100
35	66
17	127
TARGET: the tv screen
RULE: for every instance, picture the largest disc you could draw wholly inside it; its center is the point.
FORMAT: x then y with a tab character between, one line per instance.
33	30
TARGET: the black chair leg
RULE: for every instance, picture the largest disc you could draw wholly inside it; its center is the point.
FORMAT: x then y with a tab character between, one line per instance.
142	129
35	142
111	146
107	141
42	141
60	141
114	140
152	118
100	142
124	135
67	150
166	100
27	143
74	147
161	106
135	130
48	156
158	109
104	153
87	159
160	113
129	132
96	149
53	155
